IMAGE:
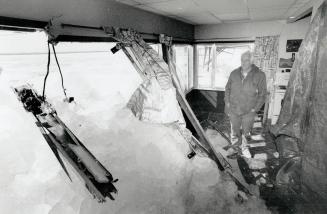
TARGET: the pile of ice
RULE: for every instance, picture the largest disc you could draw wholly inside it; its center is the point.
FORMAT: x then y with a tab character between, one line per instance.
149	160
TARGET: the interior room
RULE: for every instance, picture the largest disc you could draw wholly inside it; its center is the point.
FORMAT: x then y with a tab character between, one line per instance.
163	106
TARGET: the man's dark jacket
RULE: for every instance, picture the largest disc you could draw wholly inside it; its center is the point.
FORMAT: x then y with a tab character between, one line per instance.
243	96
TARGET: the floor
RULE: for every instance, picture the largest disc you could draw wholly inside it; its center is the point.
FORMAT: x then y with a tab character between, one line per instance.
276	176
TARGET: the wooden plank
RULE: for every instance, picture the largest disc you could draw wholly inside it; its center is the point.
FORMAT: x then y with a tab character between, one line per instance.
217	157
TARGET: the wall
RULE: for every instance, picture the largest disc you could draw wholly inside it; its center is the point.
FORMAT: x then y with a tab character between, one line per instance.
295	30
248	31
237	31
95	13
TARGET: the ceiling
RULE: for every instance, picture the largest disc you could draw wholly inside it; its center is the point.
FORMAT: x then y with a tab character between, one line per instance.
222	11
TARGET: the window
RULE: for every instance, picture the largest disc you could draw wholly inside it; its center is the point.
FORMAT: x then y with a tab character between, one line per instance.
215	62
183	58
157	48
87	67
205	66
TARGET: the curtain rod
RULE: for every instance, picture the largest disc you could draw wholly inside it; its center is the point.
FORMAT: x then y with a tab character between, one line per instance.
22	24
101	29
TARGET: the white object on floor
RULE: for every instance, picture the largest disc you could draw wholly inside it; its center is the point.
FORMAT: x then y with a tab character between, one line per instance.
276	154
257	137
253	145
262	180
255	173
261	156
245	152
255	163
257	125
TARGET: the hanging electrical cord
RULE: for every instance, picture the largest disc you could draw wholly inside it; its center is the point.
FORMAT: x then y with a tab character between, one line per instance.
62	78
46	76
70	99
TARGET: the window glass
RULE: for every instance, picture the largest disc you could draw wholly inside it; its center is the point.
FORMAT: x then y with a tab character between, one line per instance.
86	67
205	65
217	61
228	58
183	55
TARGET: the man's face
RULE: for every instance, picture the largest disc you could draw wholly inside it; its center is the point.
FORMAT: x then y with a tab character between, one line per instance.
246	62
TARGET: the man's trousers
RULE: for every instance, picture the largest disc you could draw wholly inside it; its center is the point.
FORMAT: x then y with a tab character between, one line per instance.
241	121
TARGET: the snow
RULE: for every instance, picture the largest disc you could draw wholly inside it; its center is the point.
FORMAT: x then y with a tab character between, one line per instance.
149	160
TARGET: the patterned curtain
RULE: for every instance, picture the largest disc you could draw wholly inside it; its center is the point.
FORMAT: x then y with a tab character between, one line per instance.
266	58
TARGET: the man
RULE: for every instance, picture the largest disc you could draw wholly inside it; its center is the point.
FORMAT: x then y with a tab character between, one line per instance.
245	94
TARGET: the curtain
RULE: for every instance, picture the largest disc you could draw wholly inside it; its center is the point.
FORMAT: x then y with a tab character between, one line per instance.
265	56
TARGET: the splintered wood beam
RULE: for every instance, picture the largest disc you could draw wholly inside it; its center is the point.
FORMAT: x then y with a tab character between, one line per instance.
186	108
218	158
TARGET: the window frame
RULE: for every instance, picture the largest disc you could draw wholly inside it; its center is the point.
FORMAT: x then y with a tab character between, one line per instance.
190	81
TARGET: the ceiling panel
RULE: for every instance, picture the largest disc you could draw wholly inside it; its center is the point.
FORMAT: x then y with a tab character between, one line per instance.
269	3
202	18
303	1
215	11
234	17
223	6
151	9
177	7
151	1
296	10
265	15
128	2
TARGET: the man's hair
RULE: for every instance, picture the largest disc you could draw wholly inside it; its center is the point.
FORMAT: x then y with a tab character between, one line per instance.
247	53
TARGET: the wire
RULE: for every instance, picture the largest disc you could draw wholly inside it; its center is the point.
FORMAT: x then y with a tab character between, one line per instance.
62	78
46	76
48	70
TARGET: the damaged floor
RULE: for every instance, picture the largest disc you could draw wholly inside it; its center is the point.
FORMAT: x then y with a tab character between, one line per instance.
276	176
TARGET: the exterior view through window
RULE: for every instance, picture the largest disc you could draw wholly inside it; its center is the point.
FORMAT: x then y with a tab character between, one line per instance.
183	55
86	67
215	62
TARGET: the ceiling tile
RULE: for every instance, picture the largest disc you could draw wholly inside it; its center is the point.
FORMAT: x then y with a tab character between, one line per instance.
268	10
297	9
264	15
292	10
227	17
151	9
202	18
223	6
128	2
303	1
151	1
269	3
215	11
177	7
